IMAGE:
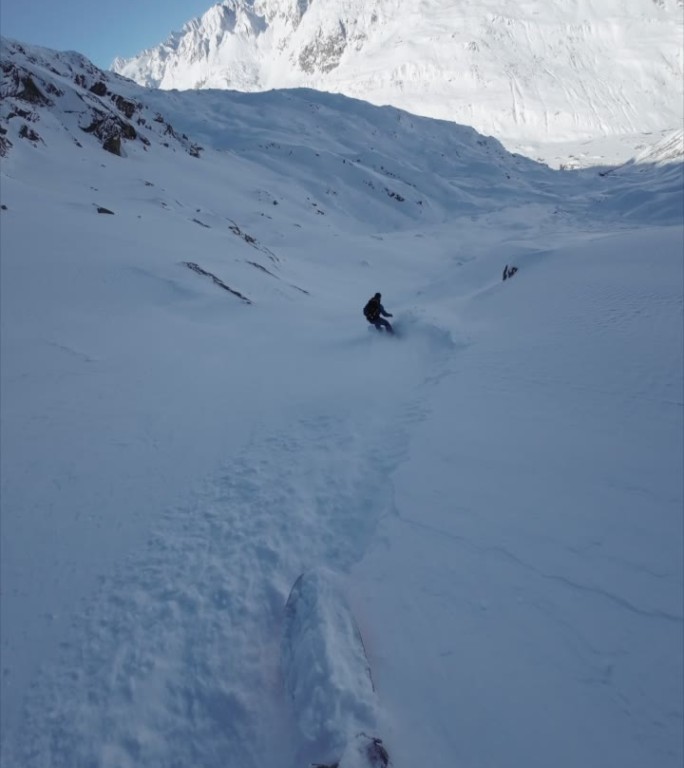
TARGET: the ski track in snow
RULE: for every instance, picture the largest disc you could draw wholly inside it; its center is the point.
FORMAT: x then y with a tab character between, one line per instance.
178	657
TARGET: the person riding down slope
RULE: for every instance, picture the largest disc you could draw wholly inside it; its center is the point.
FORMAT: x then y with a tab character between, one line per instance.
375	314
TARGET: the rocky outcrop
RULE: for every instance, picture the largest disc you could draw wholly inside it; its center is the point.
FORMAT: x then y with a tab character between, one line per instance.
216	280
35	80
324	52
5	143
111	130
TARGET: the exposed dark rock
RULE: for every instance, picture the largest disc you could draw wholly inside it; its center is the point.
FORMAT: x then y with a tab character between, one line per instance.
25	114
3	207
395	195
25	92
111	130
53	89
125	106
100	209
5	145
113	145
371	752
28	133
377	754
268	272
261	267
237	231
251	241
509	272
31	93
104	126
196	268
98	88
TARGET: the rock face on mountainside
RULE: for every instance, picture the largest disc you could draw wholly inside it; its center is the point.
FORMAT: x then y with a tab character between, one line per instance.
37	84
548	70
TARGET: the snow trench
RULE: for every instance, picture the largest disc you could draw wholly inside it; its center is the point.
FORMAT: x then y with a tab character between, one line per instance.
192	653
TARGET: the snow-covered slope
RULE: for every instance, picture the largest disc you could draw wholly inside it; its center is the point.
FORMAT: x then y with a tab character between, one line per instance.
487	509
531	74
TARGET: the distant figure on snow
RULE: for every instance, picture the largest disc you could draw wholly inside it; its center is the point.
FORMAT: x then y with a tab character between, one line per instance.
375	314
509	271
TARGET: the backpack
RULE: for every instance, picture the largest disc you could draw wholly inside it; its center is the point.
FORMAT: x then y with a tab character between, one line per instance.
371	309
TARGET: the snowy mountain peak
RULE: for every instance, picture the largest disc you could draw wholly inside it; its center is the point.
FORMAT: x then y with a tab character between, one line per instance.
538	73
231	17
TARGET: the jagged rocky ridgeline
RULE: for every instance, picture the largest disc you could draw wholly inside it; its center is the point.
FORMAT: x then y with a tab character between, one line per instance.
87	101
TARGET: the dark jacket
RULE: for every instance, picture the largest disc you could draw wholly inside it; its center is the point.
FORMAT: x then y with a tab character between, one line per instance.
374	309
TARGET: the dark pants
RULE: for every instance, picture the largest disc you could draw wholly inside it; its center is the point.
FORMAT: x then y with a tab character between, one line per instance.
380	323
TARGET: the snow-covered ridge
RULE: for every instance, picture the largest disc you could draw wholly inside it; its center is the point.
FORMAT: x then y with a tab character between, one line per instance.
371	152
51	96
537	72
668	150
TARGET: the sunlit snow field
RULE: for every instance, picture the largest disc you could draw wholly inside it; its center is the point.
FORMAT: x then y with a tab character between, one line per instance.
493	498
574	83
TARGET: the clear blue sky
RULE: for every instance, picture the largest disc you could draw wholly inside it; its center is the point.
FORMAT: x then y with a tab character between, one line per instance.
99	30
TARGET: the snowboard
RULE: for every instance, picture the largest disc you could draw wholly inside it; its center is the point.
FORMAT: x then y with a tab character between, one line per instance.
396	330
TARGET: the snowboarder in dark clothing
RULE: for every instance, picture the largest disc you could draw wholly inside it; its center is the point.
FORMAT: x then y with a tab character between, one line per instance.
375	314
